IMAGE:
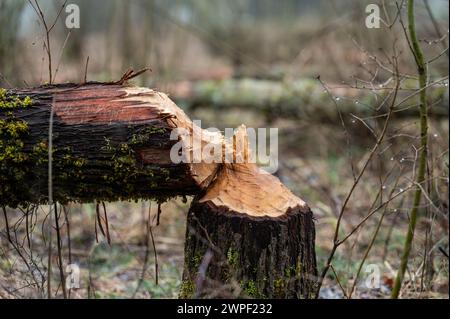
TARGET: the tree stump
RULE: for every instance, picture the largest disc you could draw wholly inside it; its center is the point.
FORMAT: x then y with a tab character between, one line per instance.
249	236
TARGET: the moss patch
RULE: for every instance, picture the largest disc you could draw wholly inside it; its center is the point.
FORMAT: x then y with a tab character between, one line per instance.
232	257
279	287
251	290
187	289
8	101
24	167
14	172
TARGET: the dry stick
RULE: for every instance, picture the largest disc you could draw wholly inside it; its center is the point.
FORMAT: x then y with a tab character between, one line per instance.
130	74
44	220
393	224
369	248
420	178
47	35
27	229
90	287
445	51
69	244
8	235
19	247
155	255
378	198
337	243
86	70
25	261
436	26
373	212
150	230
95	229
58	245
148	237
108	238
97	213
61	53
443	251
147	250
158	215
50	201
48	29
347	134
338	281
4	79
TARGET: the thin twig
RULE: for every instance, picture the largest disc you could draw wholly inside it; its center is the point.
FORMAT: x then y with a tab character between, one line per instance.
108	238
158	214
374	236
99	220
58	245
61	54
435	25
86	70
69	244
8	234
338	281
50	200
336	242
130	74
148	237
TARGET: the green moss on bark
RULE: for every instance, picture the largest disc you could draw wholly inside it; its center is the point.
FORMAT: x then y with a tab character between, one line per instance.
8	101
187	289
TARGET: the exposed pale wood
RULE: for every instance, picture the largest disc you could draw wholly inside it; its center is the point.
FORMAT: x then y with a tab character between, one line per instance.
252	232
245	188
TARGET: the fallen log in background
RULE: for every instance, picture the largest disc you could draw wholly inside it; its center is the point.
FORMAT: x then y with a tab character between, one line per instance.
112	142
300	99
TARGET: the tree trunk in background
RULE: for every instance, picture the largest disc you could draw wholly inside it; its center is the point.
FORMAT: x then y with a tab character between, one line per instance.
301	99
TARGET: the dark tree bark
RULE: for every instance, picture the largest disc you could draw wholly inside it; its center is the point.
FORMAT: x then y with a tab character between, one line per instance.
110	142
239	246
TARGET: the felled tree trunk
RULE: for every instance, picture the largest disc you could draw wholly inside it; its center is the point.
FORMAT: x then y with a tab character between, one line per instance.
110	142
247	234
